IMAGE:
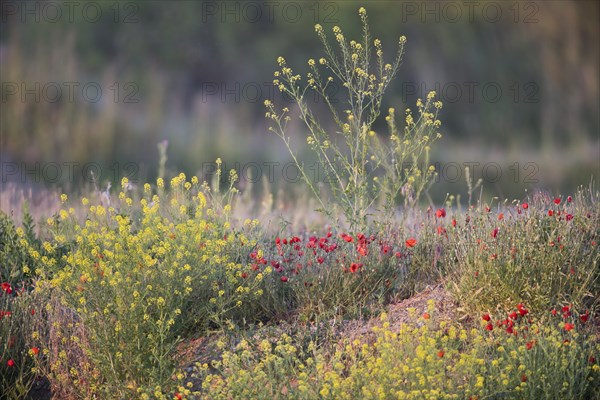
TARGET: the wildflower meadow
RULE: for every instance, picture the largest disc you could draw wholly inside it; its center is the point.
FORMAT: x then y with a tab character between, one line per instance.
188	288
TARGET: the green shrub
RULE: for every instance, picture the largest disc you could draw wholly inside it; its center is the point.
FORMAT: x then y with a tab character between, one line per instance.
539	252
18	249
333	275
17	245
19	313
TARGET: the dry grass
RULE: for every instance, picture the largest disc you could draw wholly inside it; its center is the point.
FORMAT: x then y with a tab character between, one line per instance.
41	202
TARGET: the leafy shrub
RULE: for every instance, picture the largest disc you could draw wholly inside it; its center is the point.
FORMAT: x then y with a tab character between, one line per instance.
18	315
18	250
332	275
544	252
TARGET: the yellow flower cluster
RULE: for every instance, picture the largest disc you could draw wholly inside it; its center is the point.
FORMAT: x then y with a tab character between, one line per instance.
421	360
130	271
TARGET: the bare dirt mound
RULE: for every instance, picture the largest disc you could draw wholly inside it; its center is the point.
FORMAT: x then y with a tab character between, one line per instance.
398	313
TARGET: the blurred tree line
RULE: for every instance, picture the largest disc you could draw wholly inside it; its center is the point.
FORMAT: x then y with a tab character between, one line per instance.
197	73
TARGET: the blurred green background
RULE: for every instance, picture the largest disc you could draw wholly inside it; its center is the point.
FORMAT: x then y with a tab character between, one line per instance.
105	82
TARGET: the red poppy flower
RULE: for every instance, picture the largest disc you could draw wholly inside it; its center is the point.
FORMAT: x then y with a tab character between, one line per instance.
178	396
10	363
510	330
550	213
441	353
592	359
569	326
35	351
284	278
486	317
523	378
500	216
569	217
440	213
495	232
584	317
348	238
355	267
523	312
569	199
426	315
512	315
525	206
489	327
529	345
411	242
6	287
362	249
557	201
453	222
